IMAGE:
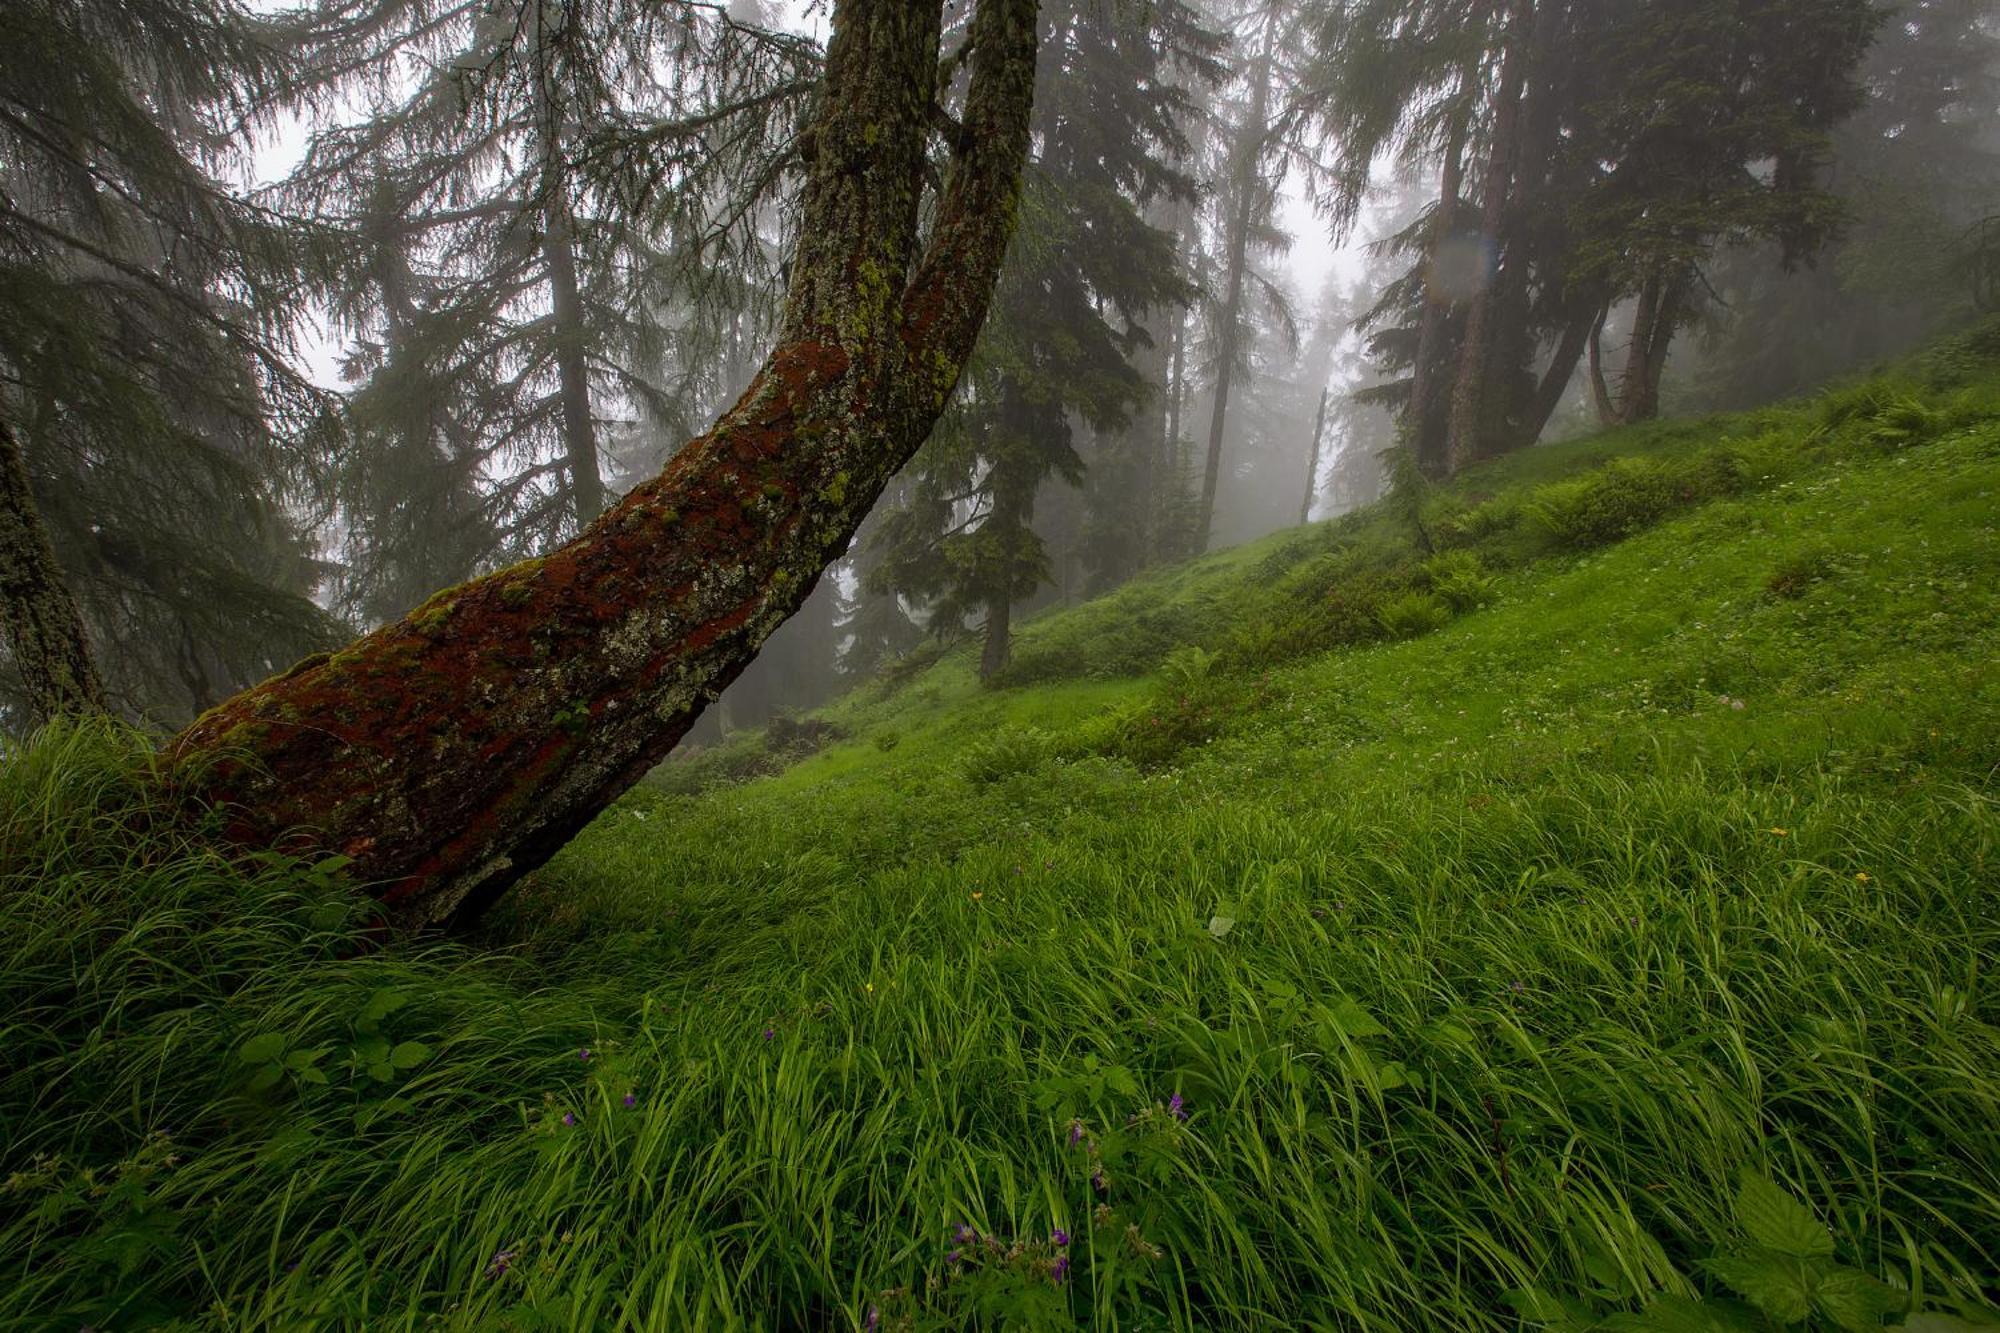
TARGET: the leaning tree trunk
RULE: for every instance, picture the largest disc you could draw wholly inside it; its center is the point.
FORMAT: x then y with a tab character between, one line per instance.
44	629
460	747
1600	392
1549	390
1312	462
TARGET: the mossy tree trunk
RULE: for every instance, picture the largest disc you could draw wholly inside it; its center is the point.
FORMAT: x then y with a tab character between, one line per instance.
44	628
454	750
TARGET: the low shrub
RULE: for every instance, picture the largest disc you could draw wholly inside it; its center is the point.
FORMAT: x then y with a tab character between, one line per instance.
1461	580
1603	506
1413	614
1007	753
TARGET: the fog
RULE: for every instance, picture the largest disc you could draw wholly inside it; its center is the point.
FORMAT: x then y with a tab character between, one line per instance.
403	295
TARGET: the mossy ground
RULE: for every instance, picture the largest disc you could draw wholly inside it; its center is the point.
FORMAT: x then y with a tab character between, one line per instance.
1607	941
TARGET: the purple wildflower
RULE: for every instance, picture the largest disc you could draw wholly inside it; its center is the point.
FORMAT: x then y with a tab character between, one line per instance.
874	1320
1060	1268
1174	1105
1060	1237
631	1100
501	1260
1075	1132
952	1256
1517	986
770	1033
569	1119
1097	1180
963	1234
583	1054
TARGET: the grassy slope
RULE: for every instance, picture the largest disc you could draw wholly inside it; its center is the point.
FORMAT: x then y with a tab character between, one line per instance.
1486	963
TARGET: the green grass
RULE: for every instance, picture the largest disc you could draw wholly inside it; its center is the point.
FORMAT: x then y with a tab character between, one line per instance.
1613	948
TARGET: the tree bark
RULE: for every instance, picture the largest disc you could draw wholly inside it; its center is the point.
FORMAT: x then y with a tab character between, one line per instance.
45	630
998	648
1561	368
1600	392
1426	431
1246	182
1646	355
1475	353
451	752
1312	464
586	477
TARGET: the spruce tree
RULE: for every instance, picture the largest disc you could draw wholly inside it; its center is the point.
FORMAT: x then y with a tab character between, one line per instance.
1084	273
174	456
556	213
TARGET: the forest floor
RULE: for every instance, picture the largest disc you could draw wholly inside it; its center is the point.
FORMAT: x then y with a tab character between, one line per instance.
1589	921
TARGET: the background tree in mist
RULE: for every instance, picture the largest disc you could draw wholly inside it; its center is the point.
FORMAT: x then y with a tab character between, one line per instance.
558	218
1608	151
1915	166
146	312
1084	272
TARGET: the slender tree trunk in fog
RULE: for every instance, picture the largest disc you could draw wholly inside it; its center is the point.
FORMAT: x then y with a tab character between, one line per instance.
45	631
1646	355
1424	422
997	648
1245	184
456	749
569	333
1312	465
1468	394
579	429
1600	392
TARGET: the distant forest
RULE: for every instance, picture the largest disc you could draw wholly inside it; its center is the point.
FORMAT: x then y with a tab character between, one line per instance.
306	314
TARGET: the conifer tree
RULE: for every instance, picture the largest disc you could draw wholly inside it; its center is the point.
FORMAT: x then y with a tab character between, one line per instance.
145	311
1067	318
1619	145
564	189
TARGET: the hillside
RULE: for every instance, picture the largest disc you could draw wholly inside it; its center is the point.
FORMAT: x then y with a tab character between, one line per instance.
1563	900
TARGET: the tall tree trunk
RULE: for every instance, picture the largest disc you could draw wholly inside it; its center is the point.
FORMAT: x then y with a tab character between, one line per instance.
998	647
1659	338
452	751
1424	423
1312	464
1246	183
569	333
1632	383
1653	321
1511	416
44	628
1476	351
571	337
1600	392
1014	483
1170	497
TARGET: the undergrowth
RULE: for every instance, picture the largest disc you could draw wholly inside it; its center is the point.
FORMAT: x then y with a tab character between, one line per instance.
1589	925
